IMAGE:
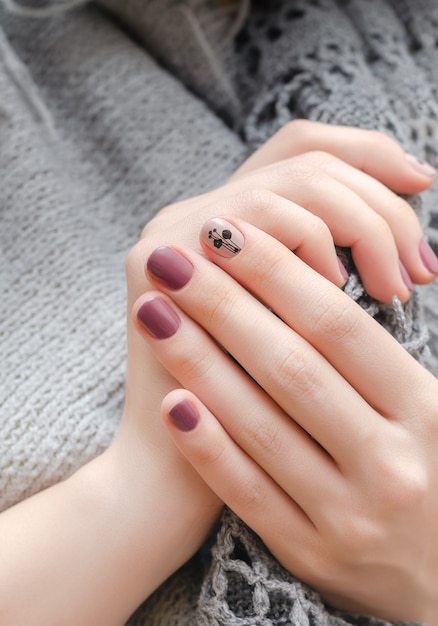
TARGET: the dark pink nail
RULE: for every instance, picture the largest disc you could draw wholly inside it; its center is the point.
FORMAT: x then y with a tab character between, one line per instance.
158	318
342	269
428	257
170	268
184	415
405	276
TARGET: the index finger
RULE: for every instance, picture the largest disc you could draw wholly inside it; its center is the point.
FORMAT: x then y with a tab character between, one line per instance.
359	348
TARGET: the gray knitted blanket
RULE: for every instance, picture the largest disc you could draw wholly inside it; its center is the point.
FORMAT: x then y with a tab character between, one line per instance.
112	111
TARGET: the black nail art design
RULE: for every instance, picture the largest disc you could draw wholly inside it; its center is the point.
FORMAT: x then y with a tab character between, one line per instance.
224	239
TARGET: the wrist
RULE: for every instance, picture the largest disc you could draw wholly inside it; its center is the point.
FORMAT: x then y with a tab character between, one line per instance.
150	512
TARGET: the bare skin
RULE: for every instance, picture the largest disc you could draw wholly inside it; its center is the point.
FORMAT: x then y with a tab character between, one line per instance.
122	523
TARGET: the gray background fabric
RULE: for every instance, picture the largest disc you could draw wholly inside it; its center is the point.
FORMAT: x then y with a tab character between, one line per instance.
109	113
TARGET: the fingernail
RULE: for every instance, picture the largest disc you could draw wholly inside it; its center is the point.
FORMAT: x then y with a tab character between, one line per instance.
158	318
405	276
420	166
428	257
169	268
222	237
184	415
342	269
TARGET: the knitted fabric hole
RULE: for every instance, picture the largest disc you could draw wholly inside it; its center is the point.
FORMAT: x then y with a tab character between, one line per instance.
240	553
294	14
239	596
279	608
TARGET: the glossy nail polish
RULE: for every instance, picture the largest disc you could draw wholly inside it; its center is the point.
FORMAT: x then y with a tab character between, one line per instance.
405	277
169	267
184	415
428	257
158	318
222	237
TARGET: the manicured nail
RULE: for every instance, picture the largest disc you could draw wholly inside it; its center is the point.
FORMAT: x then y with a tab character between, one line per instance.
420	166
169	268
158	318
184	415
342	269
428	257
222	237
405	276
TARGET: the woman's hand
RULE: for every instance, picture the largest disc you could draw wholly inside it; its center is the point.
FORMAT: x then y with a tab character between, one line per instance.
277	190
314	185
323	437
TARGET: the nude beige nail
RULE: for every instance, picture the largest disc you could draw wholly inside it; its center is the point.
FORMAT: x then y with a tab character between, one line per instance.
222	237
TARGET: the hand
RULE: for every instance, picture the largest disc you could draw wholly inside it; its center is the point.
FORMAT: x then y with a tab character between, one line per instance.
313	185
320	166
334	427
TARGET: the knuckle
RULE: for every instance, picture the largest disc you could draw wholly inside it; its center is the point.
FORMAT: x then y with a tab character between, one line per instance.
211	454
401	478
163	218
405	484
297	130
192	365
398	209
376	224
297	371
252	493
377	140
216	306
356	538
135	263
296	169
410	490
252	201
337	320
318	229
318	158
263	437
268	271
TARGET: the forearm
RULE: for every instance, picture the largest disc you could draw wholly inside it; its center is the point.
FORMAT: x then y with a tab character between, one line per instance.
90	549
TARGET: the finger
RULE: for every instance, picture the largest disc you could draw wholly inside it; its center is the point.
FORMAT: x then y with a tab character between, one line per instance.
257	425
238	481
301	231
288	368
326	318
369	151
416	256
298	229
351	221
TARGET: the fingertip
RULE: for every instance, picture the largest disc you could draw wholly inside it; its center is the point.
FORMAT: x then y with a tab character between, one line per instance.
420	167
